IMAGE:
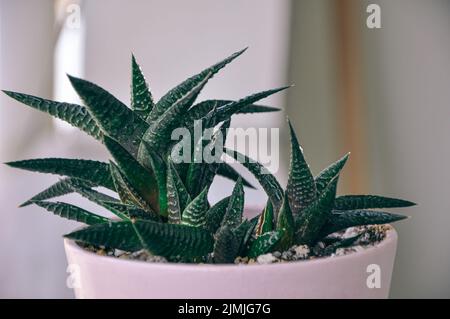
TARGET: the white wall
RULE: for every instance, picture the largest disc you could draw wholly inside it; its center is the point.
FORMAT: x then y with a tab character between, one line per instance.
408	76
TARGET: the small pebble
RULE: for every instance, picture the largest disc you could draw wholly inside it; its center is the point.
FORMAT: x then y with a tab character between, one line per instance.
266	259
276	254
301	251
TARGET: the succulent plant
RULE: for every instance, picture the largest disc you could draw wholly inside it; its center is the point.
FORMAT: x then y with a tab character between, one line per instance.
162	206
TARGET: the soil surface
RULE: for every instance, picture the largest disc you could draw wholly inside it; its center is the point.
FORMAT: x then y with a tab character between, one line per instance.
351	240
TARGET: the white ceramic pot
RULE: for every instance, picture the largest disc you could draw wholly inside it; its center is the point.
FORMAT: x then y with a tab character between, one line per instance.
364	274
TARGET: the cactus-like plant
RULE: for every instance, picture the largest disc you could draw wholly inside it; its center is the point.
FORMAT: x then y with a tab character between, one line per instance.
162	206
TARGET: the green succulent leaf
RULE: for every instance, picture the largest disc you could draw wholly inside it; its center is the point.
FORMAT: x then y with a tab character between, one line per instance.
75	115
100	199
153	162
141	98
195	213
226	245
201	175
60	188
114	118
173	96
127	193
346	242
242	234
340	220
72	212
349	202
226	111
215	214
159	133
266	220
95	172
90	194
174	240
301	189
248	236
142	180
201	109
268	182
325	176
286	223
227	171
256	108
177	195
265	243
311	220
119	235
235	208
128	212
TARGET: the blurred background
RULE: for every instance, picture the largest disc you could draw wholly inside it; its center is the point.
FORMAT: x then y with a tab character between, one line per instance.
383	94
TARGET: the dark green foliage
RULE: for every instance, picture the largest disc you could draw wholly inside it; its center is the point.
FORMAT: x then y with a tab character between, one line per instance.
266	220
114	118
72	212
286	225
60	188
172	240
227	171
325	176
350	202
226	246
180	91
142	181
340	220
177	195
94	172
312	218
73	114
268	182
161	206
235	209
117	234
141	98
215	214
301	189
265	243
195	213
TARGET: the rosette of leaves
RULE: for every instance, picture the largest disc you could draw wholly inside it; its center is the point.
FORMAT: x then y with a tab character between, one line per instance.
308	209
160	206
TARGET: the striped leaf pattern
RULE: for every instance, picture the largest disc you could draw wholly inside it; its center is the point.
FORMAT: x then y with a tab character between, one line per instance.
265	243
235	209
114	118
195	213
325	176
341	220
72	212
311	220
141	98
120	235
76	115
268	182
350	202
95	172
174	240
173	96
301	189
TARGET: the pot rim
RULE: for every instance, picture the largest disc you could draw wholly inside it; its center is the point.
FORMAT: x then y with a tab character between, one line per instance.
391	236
